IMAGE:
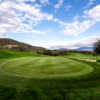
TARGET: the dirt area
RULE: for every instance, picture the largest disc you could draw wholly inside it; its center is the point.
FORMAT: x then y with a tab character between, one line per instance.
88	60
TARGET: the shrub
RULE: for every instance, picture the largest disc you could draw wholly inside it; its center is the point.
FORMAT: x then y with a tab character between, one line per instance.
55	52
97	47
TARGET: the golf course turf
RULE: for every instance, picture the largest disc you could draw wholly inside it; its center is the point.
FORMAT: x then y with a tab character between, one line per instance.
25	76
46	67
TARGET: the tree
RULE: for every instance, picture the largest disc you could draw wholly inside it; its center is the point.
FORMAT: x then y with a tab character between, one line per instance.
97	47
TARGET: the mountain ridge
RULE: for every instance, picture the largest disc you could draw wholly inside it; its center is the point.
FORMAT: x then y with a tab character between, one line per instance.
11	44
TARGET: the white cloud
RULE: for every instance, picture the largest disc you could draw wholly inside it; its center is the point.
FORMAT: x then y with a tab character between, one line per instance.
59	4
88	41
76	17
32	0
16	16
84	42
29	30
76	27
91	2
38	32
44	1
25	0
94	13
0	1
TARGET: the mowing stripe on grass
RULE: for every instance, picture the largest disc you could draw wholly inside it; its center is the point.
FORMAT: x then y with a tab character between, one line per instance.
46	67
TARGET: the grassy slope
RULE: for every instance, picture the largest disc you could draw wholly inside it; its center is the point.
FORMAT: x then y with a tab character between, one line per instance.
18	88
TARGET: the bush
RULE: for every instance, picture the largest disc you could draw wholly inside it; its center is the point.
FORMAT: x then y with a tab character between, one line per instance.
55	52
97	47
98	60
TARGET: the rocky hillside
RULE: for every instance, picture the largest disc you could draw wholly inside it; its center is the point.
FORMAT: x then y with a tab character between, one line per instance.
11	44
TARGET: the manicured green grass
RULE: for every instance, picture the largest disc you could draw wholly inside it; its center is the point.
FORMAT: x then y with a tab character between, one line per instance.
46	67
25	76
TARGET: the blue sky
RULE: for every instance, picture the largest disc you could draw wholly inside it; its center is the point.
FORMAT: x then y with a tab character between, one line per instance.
51	23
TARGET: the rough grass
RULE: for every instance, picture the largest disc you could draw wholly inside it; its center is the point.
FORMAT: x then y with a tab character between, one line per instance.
13	54
82	56
13	87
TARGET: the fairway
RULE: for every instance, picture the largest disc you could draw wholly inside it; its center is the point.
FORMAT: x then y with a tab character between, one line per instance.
45	67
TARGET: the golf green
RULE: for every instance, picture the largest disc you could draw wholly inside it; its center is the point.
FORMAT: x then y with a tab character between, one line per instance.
46	67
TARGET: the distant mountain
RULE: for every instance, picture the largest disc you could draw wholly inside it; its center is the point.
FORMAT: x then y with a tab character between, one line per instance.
58	48
64	48
85	48
6	43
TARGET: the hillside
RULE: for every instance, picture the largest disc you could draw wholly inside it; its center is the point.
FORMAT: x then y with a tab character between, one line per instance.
10	44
